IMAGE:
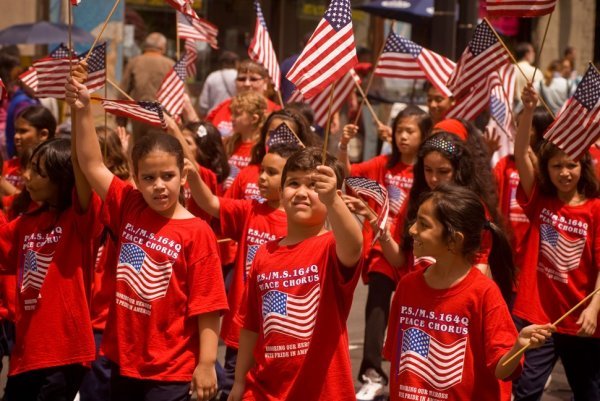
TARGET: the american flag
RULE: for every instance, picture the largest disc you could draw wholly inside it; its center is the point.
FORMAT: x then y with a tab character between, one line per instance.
320	103
148	278
470	106
396	198
35	268
519	8
578	126
250	258
171	91
402	58
192	57
261	48
282	134
329	54
198	29
146	112
441	365
561	253
372	190
47	76
183	6
294	315
484	55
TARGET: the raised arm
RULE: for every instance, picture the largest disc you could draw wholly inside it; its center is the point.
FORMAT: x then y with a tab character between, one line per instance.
347	231
349	132
201	193
523	161
89	154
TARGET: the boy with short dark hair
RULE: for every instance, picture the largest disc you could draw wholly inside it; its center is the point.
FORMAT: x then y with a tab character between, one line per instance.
294	342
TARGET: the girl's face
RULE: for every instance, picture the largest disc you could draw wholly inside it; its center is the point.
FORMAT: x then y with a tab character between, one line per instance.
250	81
564	173
438	104
269	179
189	139
407	136
300	201
427	232
38	184
27	136
243	122
437	169
159	180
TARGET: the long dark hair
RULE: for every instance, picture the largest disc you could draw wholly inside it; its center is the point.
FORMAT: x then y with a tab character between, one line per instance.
40	118
468	172
423	122
460	210
210	152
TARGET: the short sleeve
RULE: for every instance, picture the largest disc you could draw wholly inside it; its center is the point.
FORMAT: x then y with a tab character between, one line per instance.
88	221
9	249
369	169
118	192
248	315
205	279
392	328
530	205
346	277
233	214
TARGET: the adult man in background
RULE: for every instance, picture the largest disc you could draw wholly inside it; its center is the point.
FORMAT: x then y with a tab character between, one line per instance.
220	84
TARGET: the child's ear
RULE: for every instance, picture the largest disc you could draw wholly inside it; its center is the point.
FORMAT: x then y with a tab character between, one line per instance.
43	134
255	119
457	240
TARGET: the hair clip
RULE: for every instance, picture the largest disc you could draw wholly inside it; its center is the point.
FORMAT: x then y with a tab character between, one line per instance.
443	145
201	131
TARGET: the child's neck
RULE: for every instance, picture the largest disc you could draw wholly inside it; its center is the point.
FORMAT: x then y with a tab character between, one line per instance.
407	158
298	233
250	136
571	198
274	204
447	271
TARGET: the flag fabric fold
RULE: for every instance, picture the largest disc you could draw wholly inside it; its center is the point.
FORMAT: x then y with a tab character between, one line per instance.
578	126
196	28
370	189
261	48
329	54
404	59
519	8
146	112
171	91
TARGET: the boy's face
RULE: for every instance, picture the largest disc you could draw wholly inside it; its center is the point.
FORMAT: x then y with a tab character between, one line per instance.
300	201
269	179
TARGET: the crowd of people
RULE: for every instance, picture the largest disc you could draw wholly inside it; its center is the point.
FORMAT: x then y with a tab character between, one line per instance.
127	252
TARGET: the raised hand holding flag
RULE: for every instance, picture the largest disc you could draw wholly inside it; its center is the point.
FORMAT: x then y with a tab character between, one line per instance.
372	190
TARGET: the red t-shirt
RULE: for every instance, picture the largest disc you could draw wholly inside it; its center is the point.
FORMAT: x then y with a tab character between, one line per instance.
237	161
398	181
562	259
103	285
245	185
298	299
507	180
444	344
168	273
250	224
49	254
11	171
220	116
210	179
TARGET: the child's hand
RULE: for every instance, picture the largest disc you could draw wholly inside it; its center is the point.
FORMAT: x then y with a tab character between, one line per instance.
124	137
349	132
384	132
325	184
529	97
171	124
359	207
204	382
535	335
190	169
237	392
79	72
588	321
492	140
76	94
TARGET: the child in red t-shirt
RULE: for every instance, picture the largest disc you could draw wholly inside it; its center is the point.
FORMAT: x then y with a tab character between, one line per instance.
561	266
395	173
162	329
294	342
450	330
250	223
49	250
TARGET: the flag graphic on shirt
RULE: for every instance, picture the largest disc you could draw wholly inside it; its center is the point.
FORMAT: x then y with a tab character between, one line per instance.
233	173
440	365
519	8
148	278
35	268
250	258
283	134
404	59
484	55
561	253
578	126
294	315
397	197
329	54
261	48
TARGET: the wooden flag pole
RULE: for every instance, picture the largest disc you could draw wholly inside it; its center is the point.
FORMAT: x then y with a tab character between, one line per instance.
177	44
121	91
103	28
516	64
370	81
328	123
279	97
542	45
369	106
560	319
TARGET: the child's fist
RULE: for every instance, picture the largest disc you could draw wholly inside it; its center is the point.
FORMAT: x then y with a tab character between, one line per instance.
76	94
325	184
